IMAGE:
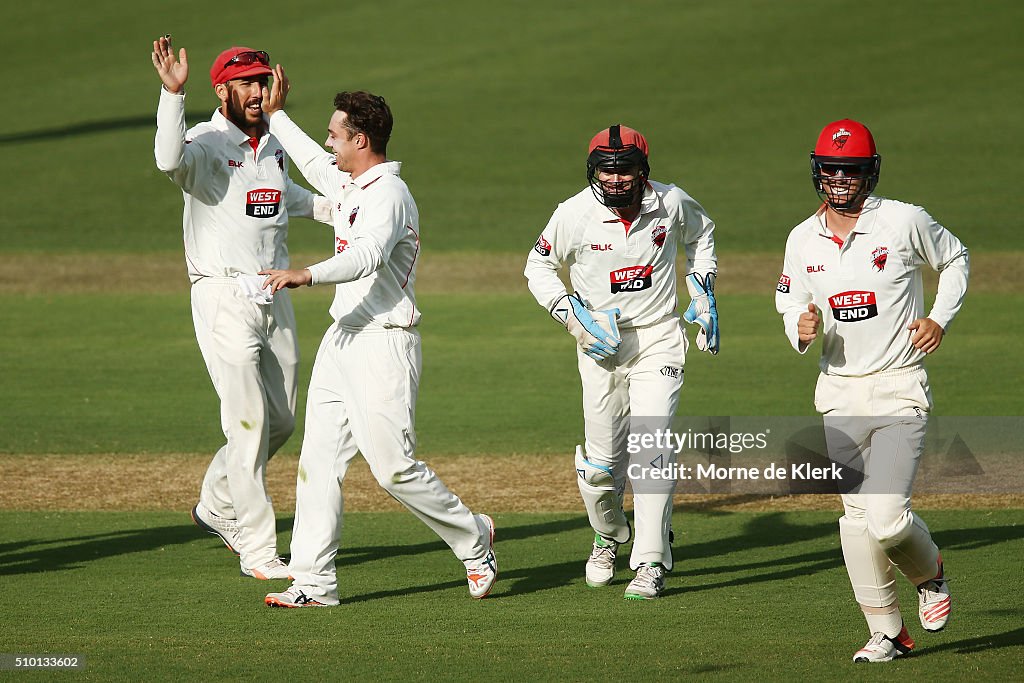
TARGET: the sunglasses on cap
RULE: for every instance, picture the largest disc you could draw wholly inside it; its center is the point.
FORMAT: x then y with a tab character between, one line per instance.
249	57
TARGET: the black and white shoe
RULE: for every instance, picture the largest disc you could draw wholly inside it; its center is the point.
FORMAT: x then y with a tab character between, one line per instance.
882	648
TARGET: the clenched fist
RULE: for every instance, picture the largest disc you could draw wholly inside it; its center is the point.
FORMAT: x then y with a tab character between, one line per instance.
808	324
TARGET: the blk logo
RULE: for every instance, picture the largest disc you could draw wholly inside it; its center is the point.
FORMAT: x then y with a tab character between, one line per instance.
234	164
600	247
816	269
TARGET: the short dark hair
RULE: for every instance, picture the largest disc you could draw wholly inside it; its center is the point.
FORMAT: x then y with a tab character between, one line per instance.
367	114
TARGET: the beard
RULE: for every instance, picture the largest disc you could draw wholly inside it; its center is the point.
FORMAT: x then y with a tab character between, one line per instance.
239	113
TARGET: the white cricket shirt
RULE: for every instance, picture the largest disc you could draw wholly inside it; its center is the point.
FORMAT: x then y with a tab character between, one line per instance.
614	264
869	287
376	235
238	197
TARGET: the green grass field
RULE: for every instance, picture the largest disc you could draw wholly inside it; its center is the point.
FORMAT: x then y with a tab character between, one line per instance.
142	597
494	106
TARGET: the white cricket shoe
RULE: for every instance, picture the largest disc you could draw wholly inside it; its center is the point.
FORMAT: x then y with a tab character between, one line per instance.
648	584
601	563
882	648
293	597
226	529
934	603
481	573
277	568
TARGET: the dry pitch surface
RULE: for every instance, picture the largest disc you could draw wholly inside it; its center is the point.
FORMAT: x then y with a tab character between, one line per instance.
520	483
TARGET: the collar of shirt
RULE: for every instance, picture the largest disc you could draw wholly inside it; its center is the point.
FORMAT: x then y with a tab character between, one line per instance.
374	173
865	221
233	132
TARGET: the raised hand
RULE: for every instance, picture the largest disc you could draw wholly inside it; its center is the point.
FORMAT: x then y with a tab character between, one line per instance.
275	95
173	72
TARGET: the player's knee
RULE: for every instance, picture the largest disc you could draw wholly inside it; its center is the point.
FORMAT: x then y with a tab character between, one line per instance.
593	474
889	529
393	480
281	429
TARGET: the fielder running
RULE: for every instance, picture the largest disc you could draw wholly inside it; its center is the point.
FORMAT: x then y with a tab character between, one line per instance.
233	175
620	237
362	394
855	268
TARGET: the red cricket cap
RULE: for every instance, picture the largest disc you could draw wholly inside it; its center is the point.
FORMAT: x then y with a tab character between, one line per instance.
627	136
845	138
219	73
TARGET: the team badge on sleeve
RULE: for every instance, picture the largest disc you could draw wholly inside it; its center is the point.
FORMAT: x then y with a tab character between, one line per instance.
879	257
783	285
543	247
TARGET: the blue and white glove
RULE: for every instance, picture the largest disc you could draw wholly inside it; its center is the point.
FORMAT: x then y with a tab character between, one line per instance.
597	332
703	311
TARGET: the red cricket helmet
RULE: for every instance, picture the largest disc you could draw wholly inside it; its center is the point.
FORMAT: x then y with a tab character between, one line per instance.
845	152
618	148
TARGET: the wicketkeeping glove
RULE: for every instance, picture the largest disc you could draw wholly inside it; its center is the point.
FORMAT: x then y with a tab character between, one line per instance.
597	332
703	311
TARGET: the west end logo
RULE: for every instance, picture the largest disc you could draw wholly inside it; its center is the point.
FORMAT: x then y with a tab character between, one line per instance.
632	279
853	306
263	203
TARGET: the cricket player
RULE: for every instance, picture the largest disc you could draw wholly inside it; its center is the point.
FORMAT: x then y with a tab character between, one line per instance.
233	176
362	393
620	237
852	275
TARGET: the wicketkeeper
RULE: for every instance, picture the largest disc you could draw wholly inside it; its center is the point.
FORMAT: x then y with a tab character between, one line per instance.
620	238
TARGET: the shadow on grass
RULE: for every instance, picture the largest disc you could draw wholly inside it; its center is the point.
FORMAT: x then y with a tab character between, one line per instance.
92	127
1014	638
739	554
76	552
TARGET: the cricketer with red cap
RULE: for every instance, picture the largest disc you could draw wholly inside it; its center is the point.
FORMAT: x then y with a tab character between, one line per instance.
238	198
621	237
852	275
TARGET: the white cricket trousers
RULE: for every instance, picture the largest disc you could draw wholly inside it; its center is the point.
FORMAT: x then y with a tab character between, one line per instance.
252	355
879	422
362	398
643	380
